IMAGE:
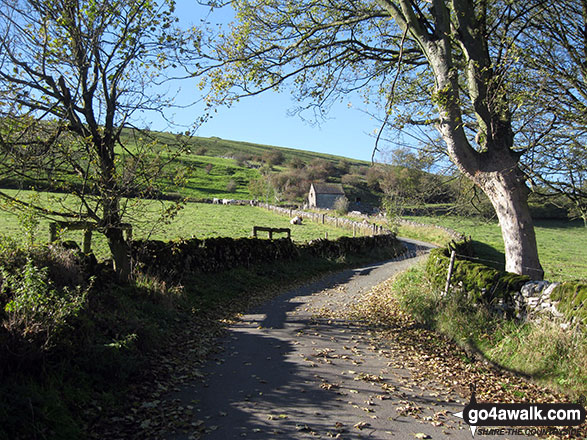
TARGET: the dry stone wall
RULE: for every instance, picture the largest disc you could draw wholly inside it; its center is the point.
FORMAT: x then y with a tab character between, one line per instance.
363	227
532	301
510	294
170	259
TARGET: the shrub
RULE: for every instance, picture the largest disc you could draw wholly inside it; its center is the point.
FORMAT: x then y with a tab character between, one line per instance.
241	159
374	176
352	179
273	158
66	267
291	185
343	167
231	186
37	310
296	163
201	151
341	206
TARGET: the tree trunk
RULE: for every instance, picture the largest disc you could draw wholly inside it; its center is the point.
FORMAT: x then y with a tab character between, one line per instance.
495	171
501	179
120	251
509	196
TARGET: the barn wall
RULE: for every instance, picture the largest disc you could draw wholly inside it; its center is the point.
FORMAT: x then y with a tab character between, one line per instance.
326	201
312	198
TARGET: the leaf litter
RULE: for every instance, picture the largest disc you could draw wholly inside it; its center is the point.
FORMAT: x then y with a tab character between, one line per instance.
436	365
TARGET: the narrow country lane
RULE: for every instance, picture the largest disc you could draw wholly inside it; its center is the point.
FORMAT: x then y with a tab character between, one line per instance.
288	372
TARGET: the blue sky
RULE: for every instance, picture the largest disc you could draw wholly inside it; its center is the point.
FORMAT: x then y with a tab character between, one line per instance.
264	119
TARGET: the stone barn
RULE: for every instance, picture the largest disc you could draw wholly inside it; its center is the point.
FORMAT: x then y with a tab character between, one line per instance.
323	195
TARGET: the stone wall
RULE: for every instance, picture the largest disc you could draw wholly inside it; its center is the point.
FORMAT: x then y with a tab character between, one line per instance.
565	303
509	294
532	301
174	258
364	227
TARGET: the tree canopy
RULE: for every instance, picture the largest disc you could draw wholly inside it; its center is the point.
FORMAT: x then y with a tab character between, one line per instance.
460	67
555	80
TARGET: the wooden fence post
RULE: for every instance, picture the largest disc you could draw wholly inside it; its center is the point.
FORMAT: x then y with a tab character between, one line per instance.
450	268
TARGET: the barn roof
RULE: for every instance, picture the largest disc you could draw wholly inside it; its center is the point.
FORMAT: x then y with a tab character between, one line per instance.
328	188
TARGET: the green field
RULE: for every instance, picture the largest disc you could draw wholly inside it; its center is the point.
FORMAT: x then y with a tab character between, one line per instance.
203	168
201	220
561	245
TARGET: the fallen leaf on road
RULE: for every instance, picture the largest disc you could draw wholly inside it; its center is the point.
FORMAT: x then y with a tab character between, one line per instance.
361	425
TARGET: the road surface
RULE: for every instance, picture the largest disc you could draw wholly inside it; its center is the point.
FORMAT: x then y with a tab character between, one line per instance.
287	372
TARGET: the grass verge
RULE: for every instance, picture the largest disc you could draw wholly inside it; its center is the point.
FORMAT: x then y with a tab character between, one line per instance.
540	350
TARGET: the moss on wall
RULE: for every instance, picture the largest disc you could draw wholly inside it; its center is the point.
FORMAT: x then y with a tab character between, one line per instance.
482	283
217	254
573	299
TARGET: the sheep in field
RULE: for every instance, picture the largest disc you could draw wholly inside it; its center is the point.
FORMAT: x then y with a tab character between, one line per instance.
296	220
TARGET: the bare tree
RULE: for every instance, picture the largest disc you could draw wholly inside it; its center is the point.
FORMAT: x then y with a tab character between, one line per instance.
74	76
555	83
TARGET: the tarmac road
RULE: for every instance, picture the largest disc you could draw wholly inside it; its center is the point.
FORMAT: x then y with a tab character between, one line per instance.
287	373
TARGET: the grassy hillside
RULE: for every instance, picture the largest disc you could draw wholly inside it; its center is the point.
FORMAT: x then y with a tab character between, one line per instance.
202	182
216	146
202	168
214	163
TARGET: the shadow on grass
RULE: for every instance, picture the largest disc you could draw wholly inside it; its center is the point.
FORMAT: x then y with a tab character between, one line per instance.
488	255
562	225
